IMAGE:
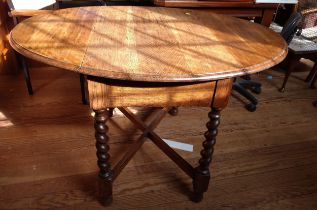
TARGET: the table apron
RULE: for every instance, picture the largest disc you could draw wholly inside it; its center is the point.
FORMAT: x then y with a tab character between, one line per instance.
110	94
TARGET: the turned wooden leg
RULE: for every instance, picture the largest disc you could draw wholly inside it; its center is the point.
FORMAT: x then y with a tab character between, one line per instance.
202	174
105	172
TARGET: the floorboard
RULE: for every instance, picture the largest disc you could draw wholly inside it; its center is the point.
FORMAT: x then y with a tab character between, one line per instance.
263	160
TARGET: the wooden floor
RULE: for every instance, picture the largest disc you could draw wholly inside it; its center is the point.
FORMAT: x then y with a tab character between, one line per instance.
263	160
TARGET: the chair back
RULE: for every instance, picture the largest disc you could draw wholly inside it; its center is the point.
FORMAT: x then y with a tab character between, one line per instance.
29	5
291	27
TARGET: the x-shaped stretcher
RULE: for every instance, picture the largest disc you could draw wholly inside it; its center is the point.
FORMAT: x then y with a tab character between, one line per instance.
105	95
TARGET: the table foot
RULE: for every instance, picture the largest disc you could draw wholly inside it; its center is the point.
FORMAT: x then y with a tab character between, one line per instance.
197	197
105	172
105	191
107	201
202	174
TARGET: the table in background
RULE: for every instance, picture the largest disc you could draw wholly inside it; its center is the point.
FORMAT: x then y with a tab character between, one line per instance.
262	10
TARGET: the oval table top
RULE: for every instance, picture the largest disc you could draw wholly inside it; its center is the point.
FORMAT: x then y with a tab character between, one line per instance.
148	43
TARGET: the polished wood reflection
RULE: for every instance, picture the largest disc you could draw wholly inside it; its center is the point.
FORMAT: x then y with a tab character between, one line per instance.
149	43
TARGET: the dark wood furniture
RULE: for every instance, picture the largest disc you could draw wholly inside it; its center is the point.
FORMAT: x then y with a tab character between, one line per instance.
263	13
21	13
7	58
293	59
303	46
16	14
150	57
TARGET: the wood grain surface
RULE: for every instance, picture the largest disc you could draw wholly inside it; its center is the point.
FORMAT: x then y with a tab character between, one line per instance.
105	95
149	43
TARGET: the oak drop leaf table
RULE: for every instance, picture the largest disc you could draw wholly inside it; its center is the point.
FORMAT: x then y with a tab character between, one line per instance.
150	57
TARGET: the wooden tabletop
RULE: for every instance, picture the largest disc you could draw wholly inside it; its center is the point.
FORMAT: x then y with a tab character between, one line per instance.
148	43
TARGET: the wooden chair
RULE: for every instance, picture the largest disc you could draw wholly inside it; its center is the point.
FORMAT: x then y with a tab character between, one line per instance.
303	45
22	9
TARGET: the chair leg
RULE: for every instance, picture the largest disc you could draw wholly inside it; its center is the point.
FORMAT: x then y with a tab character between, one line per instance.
311	73
26	73
83	88
312	76
313	81
293	60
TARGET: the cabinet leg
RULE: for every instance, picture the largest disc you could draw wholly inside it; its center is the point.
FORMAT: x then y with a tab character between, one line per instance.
202	174
105	172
